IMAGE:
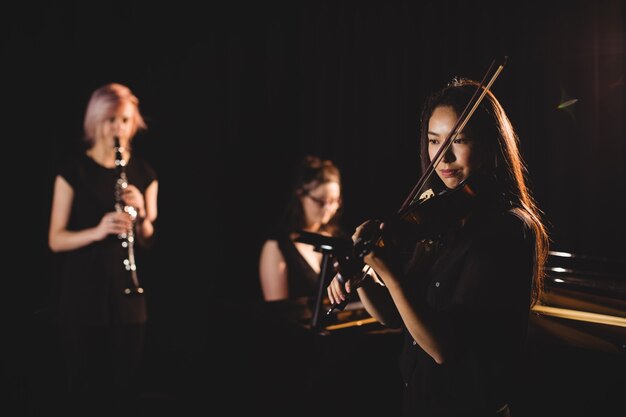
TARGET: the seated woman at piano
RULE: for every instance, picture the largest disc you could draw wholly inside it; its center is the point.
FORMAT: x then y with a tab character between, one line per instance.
459	283
289	269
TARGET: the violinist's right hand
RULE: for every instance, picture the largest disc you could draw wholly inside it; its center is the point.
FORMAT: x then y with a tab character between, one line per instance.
368	242
363	237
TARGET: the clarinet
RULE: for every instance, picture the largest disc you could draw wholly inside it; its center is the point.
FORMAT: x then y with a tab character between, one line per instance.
127	239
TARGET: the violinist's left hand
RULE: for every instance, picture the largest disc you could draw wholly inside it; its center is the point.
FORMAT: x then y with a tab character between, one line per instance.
133	197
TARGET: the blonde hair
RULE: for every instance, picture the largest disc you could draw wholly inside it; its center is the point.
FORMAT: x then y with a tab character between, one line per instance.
104	102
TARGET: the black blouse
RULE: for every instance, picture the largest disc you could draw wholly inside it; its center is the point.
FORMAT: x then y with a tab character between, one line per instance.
94	276
477	292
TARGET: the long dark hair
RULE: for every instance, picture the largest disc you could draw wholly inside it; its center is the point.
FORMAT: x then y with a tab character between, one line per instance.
496	138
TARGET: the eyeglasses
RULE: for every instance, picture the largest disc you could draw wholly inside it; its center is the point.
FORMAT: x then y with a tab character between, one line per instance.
320	202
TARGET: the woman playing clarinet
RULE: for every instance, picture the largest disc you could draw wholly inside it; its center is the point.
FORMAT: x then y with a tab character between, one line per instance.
101	321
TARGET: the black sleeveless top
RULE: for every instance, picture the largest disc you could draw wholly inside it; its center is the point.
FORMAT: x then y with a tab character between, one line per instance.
94	276
302	279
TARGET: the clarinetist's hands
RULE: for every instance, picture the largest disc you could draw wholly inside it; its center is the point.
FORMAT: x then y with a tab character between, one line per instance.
113	223
133	197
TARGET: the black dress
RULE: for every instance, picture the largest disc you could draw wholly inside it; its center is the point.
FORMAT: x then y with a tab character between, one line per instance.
94	276
477	292
101	328
301	278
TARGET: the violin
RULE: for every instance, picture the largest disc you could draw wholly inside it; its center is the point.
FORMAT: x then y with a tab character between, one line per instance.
424	214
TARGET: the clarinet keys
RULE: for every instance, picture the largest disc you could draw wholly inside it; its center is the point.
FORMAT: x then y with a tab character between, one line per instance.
127	239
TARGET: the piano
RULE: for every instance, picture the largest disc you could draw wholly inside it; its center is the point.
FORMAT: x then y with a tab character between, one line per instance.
347	366
584	303
577	340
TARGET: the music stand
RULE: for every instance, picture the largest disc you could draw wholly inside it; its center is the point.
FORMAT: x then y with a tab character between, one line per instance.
327	246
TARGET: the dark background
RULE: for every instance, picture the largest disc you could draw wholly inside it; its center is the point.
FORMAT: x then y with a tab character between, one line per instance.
234	95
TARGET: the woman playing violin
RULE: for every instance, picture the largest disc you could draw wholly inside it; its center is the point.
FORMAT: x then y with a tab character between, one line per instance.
462	294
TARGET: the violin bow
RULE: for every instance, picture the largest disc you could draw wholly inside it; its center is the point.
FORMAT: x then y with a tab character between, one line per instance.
497	65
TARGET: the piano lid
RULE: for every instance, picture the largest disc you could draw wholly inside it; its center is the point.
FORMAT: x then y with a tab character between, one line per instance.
584	302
